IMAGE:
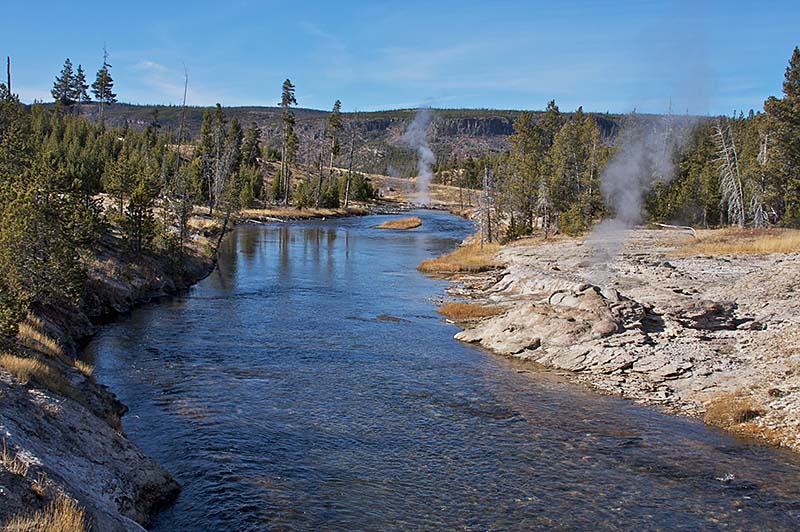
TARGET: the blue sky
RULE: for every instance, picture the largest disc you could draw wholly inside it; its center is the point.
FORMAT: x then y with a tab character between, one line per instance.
707	57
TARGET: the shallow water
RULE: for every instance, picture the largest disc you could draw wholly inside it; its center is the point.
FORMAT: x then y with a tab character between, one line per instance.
280	401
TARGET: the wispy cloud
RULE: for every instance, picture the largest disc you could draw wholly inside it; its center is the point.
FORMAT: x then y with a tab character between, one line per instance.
332	54
162	83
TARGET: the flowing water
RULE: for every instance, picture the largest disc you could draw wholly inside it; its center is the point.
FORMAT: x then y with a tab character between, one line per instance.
308	384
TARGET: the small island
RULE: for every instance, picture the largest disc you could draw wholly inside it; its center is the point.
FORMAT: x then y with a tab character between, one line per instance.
410	222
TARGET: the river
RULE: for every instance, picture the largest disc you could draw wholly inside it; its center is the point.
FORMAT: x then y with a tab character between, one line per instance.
308	384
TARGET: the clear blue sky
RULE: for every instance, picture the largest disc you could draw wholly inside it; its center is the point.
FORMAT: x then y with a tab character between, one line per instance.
708	57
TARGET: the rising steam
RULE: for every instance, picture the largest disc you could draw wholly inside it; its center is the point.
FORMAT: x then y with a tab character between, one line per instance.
416	138
644	157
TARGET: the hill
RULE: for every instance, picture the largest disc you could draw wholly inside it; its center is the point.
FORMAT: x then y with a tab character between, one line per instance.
455	133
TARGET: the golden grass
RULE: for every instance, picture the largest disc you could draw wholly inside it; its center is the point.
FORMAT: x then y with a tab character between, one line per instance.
25	368
461	311
13	463
472	257
295	213
62	515
735	241
409	222
31	334
466	212
84	367
731	410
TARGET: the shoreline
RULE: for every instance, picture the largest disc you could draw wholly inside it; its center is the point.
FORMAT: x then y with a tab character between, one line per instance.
61	430
711	337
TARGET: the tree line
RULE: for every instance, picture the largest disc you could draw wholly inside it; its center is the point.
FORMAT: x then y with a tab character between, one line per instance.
70	86
66	181
740	170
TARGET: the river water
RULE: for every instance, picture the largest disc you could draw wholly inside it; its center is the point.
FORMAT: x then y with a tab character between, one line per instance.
308	384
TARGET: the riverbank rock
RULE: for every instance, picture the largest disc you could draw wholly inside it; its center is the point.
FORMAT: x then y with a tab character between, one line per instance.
64	445
651	325
60	430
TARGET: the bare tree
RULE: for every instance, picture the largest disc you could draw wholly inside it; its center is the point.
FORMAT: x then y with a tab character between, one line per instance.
730	181
759	210
486	207
544	206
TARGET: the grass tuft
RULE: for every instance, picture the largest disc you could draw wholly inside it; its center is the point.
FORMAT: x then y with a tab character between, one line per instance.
84	367
467	258
735	241
23	368
461	311
409	222
31	334
62	515
27	368
731	411
13	463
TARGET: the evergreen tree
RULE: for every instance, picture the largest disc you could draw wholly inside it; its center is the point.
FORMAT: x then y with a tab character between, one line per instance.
139	224
103	86
334	126
64	85
81	88
251	147
290	141
784	115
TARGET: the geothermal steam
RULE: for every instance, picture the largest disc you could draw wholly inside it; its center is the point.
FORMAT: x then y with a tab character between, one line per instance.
644	157
416	138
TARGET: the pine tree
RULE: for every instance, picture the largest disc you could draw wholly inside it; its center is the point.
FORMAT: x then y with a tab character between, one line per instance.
103	85
289	144
251	149
784	115
64	85
80	87
334	126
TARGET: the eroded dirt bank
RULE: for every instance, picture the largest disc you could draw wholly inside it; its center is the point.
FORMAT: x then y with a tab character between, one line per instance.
710	336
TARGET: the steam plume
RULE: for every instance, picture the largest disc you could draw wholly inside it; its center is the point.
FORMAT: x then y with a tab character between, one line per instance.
645	157
416	138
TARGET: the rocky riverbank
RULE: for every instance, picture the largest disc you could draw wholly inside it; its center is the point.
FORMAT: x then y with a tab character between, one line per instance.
714	336
60	429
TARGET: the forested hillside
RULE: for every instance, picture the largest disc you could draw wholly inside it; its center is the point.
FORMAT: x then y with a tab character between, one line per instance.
455	133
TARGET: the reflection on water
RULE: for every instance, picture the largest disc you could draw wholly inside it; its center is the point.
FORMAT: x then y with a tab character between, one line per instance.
281	401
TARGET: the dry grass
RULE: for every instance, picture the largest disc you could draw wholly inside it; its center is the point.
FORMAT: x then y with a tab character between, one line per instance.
298	214
466	212
13	463
461	311
39	484
734	241
409	222
84	367
537	240
470	257
732	411
25	368
61	515
32	334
